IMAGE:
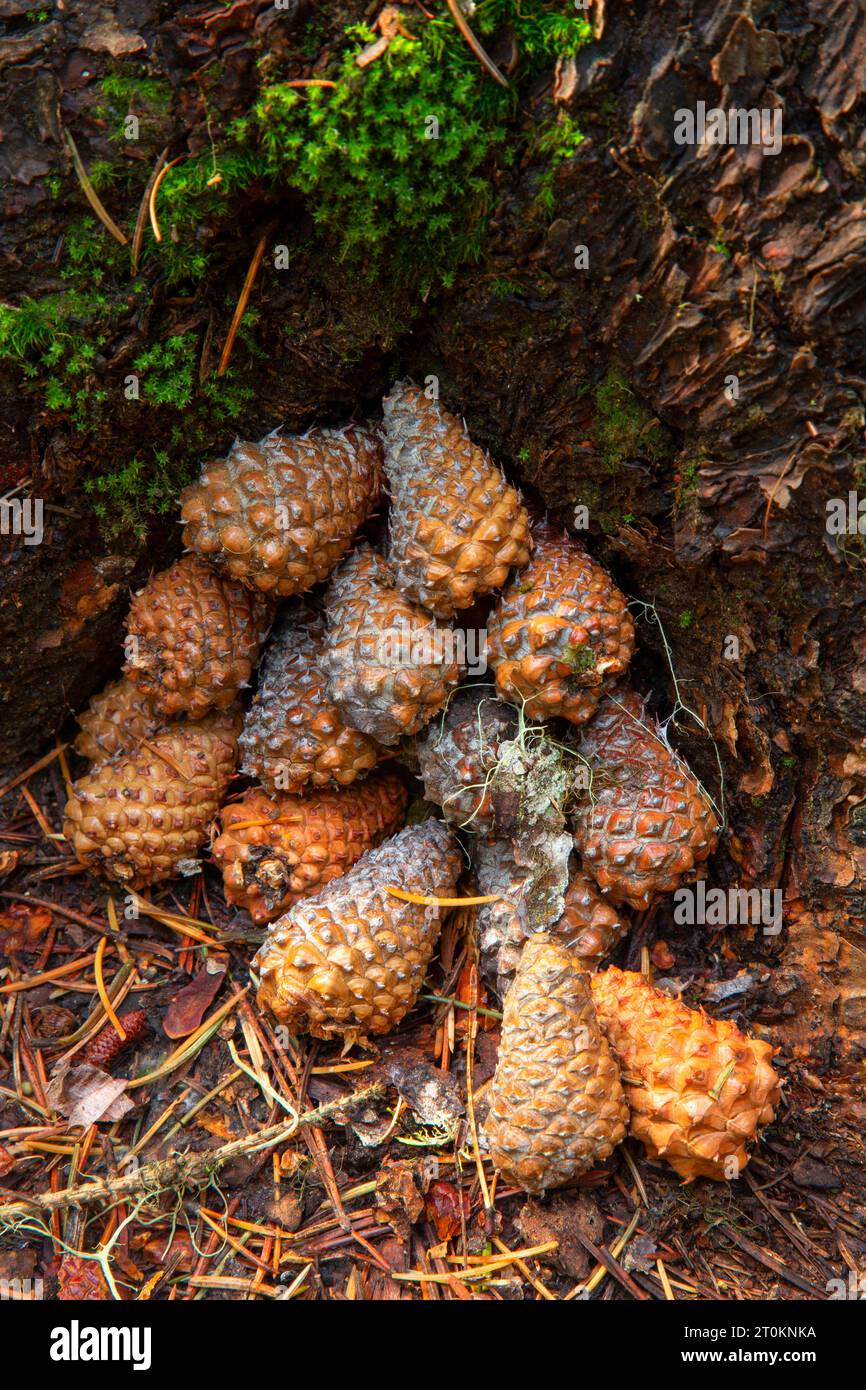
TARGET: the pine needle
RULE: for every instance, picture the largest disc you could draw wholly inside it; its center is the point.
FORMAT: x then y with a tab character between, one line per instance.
91	194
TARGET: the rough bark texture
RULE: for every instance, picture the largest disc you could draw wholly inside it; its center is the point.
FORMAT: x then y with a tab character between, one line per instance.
702	264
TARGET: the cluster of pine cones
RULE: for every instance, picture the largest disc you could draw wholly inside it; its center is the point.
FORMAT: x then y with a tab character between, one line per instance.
358	676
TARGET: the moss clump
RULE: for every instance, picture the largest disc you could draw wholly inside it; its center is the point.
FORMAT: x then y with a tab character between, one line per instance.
396	160
625	428
126	499
397	163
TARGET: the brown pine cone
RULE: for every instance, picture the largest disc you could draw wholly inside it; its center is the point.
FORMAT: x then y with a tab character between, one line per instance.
350	962
274	852
560	631
389	665
557	1107
458	754
142	817
646	822
293	735
279	514
115	721
589	926
456	525
193	638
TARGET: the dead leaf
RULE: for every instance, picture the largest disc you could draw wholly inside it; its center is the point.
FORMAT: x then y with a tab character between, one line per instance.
188	1007
443	1205
560	1219
85	1095
400	1191
22	927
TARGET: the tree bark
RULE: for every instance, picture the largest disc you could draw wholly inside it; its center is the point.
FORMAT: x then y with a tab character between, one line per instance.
724	290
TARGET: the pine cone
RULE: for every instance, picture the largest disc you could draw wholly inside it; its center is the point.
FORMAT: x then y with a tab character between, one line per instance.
350	962
458	754
274	852
588	926
698	1088
389	664
456	526
646	822
557	1106
142	816
293	735
560	632
279	514
195	638
115	721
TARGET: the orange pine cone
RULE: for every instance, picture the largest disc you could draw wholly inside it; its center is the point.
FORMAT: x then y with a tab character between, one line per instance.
560	632
698	1088
646	822
273	852
193	638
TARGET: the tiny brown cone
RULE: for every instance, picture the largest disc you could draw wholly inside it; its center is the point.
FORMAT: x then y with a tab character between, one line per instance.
560	632
143	817
646	823
698	1088
274	851
557	1107
115	721
279	514
349	963
193	638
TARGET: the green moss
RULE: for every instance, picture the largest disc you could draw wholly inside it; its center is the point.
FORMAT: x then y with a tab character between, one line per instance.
125	499
397	164
396	160
625	427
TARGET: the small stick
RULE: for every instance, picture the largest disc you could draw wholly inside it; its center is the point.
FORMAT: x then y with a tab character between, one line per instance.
240	308
181	1169
141	220
91	195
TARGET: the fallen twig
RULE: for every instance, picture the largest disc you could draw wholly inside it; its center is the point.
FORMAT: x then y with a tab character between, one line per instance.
180	1170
